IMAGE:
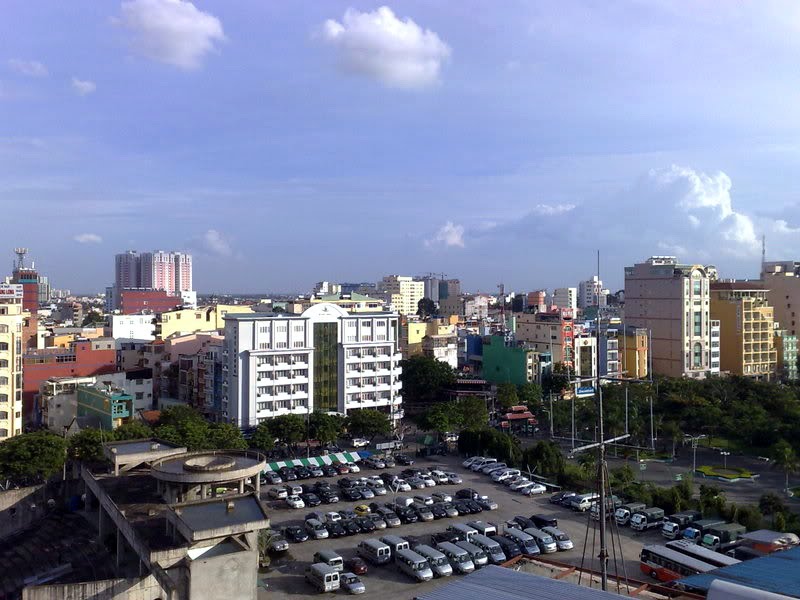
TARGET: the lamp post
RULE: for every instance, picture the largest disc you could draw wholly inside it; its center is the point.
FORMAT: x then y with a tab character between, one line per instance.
725	456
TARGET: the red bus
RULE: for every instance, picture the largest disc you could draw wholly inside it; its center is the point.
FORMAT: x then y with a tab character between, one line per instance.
665	564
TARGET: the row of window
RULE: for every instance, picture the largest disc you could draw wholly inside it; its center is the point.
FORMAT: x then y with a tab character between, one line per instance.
282	359
368	396
356	382
279	405
369	367
273	390
368	352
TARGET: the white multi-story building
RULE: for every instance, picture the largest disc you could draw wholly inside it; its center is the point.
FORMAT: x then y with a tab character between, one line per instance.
403	293
12	318
324	359
130	328
592	293
566	297
673	301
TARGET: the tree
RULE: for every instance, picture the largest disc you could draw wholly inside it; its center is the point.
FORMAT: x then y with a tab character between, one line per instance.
426	308
225	436
368	423
134	430
185	426
289	429
471	413
507	395
87	445
325	428
785	459
262	439
424	378
530	394
672	431
557	380
34	456
440	417
545	458
771	504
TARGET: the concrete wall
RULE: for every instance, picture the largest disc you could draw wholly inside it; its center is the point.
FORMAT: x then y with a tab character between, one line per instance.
231	576
15	508
107	589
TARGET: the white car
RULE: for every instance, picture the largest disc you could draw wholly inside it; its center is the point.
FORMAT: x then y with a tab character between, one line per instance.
354	468
439	476
333	517
428	480
513	480
294	501
503	474
441	497
423	499
534	489
401	485
359	443
277	493
487	470
478	465
454	478
519	484
468	463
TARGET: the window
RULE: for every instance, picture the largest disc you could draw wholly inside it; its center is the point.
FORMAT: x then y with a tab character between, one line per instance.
3	397
3	380
698	323
3	363
281	329
697	359
3	415
281	344
696	287
3	346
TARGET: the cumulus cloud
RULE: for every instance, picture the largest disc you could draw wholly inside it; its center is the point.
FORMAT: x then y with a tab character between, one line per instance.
397	53
83	87
449	234
31	68
215	243
174	32
88	238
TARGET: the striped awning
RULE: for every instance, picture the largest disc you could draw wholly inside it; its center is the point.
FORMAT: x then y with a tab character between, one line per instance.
314	461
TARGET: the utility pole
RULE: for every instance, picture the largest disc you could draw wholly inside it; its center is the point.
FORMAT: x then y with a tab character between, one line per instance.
573	421
626	408
601	456
551	415
652	427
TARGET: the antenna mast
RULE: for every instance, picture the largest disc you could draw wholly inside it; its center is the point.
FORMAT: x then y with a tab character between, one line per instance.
601	454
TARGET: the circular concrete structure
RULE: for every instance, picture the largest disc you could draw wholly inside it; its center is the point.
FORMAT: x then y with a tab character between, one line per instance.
210	466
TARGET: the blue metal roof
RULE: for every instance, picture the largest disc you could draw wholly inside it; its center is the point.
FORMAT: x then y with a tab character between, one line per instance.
499	583
778	573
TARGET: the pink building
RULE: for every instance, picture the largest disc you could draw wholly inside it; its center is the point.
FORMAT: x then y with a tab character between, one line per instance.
168	271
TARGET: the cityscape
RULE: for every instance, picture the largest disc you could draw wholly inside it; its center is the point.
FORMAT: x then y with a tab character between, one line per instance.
285	277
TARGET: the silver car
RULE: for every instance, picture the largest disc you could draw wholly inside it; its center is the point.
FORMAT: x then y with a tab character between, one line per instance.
562	539
377	520
454	478
351	583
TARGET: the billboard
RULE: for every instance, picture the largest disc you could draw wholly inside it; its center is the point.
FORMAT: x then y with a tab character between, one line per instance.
11	291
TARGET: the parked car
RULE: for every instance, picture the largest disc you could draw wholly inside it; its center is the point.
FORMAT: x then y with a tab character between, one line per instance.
429	481
467	494
388	461
439	477
423	512
451	510
438	511
351	494
278	543
277	493
401	485
441	497
342	468
366	493
327	496
416	483
351	527
335	529
474	507
356	565
362	509
461	506
377	520
330	471
346	513
403	459
486	503
473	459
390	517
532	489
317	472
561	497
295	534
354	468
366	524
407	515
351	583
311	499
454	478
273	478
359	443
520	483
294	502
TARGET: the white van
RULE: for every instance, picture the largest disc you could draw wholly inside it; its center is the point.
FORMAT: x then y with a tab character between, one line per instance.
330	558
323	577
458	557
544	540
374	551
437	561
525	541
465	531
413	565
478	556
583	502
479	464
503	474
493	550
483	527
562	539
395	543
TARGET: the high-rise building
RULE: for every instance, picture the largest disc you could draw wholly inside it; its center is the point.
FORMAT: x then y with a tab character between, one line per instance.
127	270
672	300
12	318
403	293
566	298
44	289
170	272
324	359
781	280
747	329
28	278
449	288
591	293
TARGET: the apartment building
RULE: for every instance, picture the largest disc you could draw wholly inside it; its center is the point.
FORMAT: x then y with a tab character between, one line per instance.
635	354
672	300
324	359
12	320
403	293
781	280
130	328
515	363
352	302
566	298
550	332
786	347
747	329
591	293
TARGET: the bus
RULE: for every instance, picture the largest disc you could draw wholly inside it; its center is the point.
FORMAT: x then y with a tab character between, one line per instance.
666	564
689	548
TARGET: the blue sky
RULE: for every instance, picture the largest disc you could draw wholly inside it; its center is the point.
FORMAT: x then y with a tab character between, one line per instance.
289	142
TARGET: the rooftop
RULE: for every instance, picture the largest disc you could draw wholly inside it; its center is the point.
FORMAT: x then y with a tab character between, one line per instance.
204	519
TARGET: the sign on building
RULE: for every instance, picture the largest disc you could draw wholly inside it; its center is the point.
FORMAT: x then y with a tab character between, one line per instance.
584	392
11	291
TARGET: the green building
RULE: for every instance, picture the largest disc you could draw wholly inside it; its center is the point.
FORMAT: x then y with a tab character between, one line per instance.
503	363
112	407
786	345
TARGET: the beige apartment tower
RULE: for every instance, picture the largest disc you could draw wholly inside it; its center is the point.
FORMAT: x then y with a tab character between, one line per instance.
672	300
12	318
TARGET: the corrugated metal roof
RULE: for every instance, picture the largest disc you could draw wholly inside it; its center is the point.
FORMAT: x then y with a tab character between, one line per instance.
778	573
499	583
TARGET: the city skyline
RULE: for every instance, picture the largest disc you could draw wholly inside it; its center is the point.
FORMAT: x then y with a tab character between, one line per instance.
410	138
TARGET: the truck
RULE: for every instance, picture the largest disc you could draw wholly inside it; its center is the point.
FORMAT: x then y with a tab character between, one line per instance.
722	537
675	524
612	503
767	541
624	512
648	518
699	528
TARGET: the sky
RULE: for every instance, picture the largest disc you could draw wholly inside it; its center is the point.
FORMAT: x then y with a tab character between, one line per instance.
285	143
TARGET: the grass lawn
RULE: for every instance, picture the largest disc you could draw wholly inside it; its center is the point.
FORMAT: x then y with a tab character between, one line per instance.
729	445
723	472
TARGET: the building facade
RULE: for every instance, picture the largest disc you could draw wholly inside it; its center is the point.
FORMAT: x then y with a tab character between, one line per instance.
109	406
324	359
781	279
403	293
512	363
552	332
133	327
747	329
566	298
635	354
591	293
786	347
167	271
135	301
12	318
672	300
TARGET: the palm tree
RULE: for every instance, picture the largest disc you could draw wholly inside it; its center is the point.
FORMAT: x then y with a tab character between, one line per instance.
786	459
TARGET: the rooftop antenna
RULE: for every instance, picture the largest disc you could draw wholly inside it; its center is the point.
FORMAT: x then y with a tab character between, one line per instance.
20	252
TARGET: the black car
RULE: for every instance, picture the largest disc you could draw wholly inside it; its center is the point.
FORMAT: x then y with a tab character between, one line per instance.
474	507
335	529
329	471
295	534
347	514
302	472
351	527
509	548
327	496
524	522
287	474
308	488
310	499
366	524
466	494
345	483
445	536
410	472
561	497
376	506
322	485
461	507
316	515
544	521
350	493
403	459
438	511
406	515
273	478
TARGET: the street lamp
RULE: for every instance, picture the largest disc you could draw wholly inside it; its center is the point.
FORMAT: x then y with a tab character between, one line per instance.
725	456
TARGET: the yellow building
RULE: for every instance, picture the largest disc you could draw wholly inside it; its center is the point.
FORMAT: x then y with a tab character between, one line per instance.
634	352
412	333
403	292
747	329
191	320
352	303
11	347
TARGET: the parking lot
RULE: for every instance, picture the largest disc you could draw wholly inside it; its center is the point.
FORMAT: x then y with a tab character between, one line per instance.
285	577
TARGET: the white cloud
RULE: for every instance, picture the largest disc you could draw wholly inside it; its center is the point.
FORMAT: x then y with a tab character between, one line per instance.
88	238
31	68
174	32
449	235
215	243
397	53
83	87
553	209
